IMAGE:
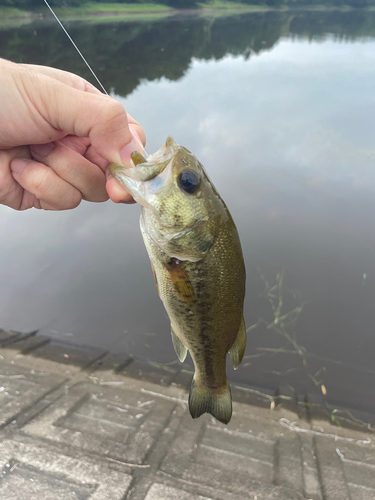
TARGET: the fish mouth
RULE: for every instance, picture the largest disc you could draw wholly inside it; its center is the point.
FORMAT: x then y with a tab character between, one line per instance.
119	171
127	177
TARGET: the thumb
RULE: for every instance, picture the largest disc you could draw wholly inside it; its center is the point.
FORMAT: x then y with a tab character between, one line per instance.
42	109
99	117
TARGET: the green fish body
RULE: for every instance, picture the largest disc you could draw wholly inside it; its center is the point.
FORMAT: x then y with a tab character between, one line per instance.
197	261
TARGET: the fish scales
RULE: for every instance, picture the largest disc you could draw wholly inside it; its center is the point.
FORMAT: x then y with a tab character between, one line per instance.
197	261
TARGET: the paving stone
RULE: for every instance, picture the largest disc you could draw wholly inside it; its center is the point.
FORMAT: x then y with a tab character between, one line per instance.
361	434
69	354
288	467
359	467
28	343
211	454
151	371
353	462
316	407
361	493
20	388
286	397
183	379
237	453
6	337
161	492
302	407
252	396
243	444
357	450
256	491
114	362
85	419
37	472
109	420
311	484
39	485
334	485
360	474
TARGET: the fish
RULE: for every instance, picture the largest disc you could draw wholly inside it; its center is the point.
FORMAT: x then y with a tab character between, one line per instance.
198	266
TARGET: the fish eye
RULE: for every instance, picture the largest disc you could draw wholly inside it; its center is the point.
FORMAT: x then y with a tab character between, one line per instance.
188	181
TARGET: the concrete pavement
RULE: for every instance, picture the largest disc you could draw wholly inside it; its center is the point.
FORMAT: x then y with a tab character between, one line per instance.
79	423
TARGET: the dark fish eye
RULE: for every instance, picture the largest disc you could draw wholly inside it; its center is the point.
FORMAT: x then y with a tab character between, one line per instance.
188	181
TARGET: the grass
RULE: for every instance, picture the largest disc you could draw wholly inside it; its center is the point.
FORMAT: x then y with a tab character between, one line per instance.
283	324
117	7
10	12
226	5
113	11
144	11
118	10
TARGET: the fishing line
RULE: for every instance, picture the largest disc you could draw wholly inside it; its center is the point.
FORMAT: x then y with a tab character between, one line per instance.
75	46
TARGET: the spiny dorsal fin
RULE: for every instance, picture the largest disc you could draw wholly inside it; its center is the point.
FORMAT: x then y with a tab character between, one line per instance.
179	347
237	350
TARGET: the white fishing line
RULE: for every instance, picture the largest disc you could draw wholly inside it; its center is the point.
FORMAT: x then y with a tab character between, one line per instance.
75	46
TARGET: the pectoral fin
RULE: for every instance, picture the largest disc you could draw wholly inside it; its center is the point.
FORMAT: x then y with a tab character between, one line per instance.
181	282
179	347
237	350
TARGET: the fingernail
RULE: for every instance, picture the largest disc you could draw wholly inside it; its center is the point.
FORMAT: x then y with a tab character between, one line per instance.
17	165
131	201
125	153
42	149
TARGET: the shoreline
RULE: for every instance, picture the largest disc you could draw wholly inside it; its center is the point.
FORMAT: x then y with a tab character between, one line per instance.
158	10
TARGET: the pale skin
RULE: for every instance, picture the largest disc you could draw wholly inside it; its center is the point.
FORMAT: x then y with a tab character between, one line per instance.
58	134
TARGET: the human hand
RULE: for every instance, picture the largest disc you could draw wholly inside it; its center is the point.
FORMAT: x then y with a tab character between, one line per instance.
58	134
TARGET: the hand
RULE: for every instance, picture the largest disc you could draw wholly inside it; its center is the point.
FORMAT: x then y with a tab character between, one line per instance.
58	134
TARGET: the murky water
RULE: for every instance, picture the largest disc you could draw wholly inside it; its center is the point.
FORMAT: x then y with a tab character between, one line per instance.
280	108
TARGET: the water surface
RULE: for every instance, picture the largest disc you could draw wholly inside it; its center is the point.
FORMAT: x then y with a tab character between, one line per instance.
280	108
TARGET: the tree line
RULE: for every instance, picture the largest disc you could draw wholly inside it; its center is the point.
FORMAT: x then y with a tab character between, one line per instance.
181	4
125	54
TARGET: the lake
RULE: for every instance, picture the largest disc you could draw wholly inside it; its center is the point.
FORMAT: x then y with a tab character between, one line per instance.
280	108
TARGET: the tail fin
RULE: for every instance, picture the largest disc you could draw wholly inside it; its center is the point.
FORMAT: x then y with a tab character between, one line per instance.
205	400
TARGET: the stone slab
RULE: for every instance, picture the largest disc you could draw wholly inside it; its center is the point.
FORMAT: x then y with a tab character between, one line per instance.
162	492
238	458
94	426
112	421
21	388
151	371
7	336
37	472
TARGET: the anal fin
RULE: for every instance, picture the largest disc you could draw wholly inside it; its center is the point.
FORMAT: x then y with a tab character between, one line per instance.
179	347
237	350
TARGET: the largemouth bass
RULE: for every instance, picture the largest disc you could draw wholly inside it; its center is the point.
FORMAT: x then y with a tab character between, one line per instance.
197	261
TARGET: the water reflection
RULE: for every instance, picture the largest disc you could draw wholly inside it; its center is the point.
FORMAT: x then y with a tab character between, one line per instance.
126	53
280	109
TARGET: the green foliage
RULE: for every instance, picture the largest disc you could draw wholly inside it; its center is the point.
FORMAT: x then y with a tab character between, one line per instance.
124	54
186	4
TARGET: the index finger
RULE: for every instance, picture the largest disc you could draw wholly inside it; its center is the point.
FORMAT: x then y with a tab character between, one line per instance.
74	81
